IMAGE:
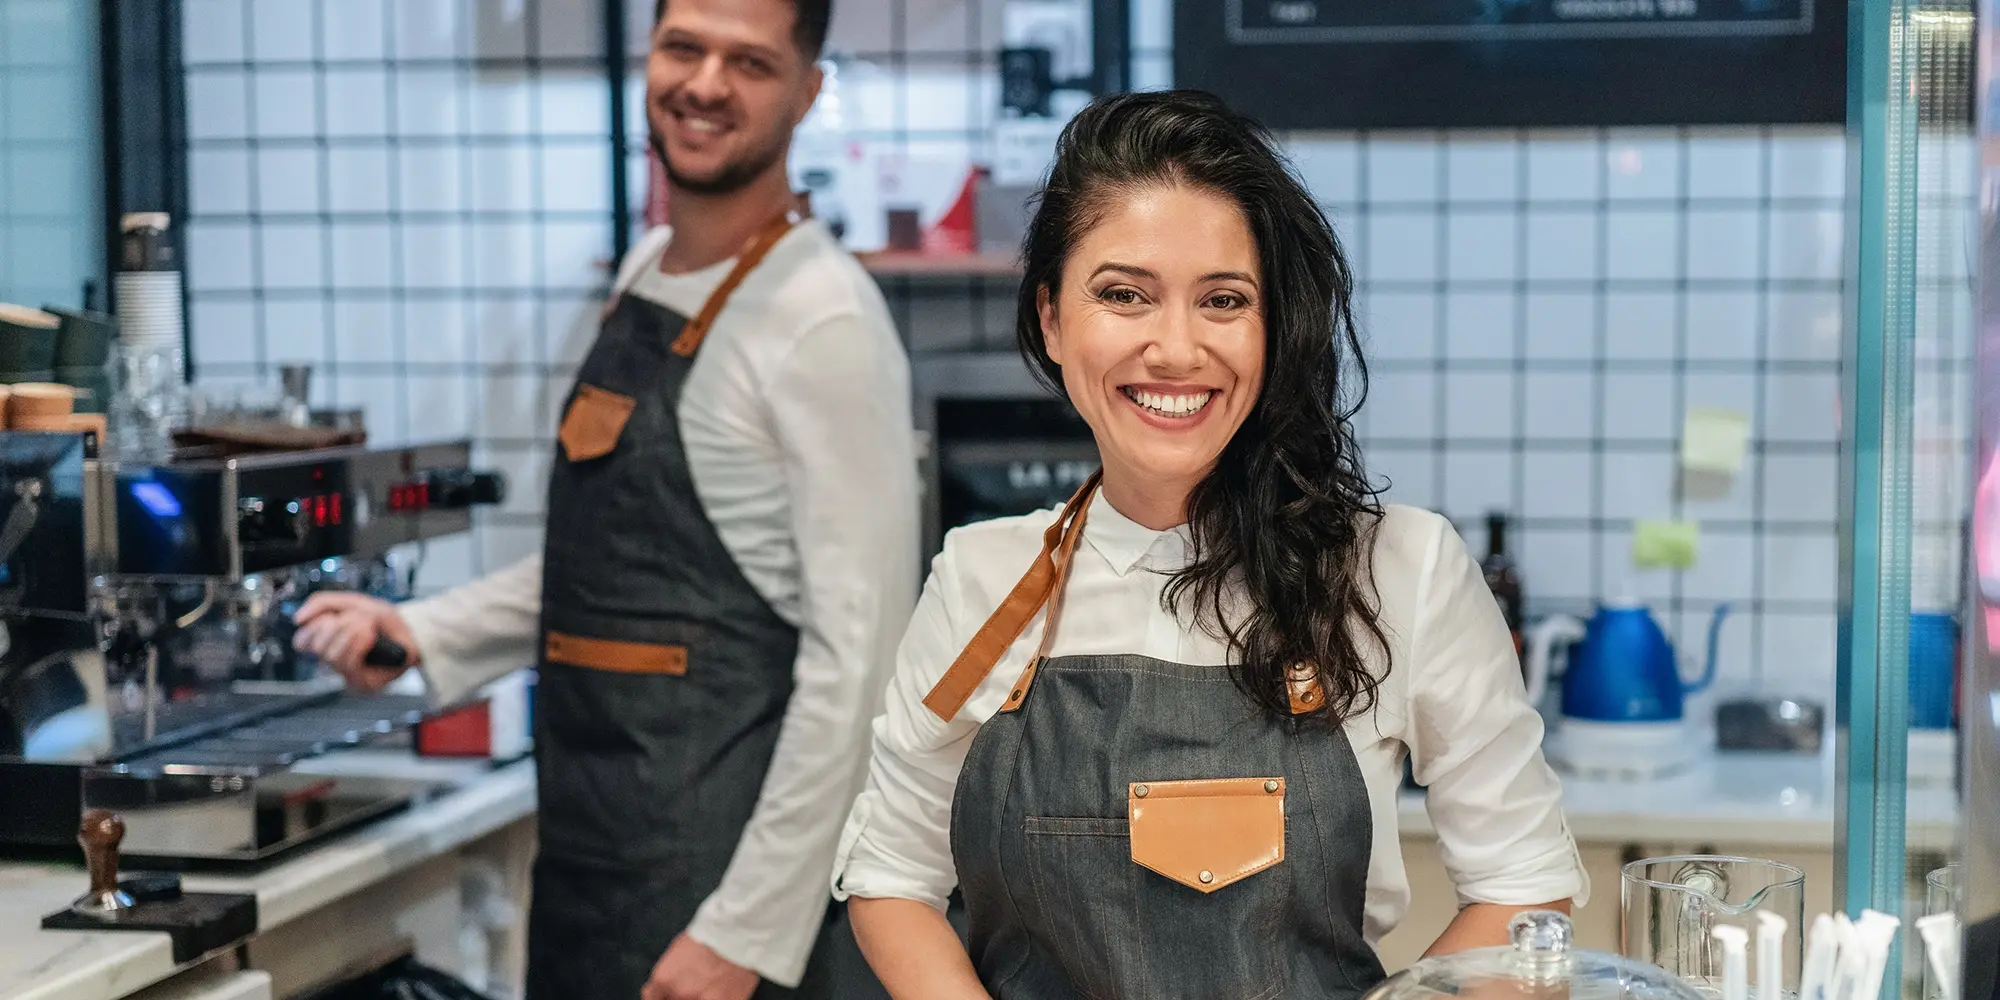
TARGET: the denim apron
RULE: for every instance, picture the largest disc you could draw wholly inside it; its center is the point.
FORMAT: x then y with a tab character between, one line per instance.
664	673
1128	827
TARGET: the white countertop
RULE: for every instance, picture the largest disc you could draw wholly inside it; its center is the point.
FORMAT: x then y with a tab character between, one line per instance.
1732	799
104	965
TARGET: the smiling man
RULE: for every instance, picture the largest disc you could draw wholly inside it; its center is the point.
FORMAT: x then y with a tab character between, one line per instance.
732	534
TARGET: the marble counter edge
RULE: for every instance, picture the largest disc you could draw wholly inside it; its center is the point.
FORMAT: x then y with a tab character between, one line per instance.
103	965
392	845
107	965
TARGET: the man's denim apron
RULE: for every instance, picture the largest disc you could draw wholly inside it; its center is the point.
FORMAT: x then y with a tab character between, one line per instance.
664	673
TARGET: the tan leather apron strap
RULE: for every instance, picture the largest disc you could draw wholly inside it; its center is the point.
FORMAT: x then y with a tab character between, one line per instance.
1051	616
753	254
1005	625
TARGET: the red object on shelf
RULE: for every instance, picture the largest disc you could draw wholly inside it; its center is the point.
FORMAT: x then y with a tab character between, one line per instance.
461	732
952	232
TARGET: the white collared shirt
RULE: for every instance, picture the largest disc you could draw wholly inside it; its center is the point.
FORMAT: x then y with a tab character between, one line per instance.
1452	700
796	423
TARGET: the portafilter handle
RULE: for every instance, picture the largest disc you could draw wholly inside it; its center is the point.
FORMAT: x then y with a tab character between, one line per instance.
100	835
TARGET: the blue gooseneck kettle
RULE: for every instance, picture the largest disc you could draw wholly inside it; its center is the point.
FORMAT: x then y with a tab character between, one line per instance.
1622	668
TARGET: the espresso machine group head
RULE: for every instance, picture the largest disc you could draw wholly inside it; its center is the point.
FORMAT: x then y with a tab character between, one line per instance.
164	687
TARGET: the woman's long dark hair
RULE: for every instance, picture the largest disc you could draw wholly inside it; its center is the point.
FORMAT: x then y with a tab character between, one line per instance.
1287	514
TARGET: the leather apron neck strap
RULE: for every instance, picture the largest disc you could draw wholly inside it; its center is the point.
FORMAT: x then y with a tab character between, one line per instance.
1041	585
753	254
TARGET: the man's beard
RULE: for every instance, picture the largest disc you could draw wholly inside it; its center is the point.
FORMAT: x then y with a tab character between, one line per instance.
734	174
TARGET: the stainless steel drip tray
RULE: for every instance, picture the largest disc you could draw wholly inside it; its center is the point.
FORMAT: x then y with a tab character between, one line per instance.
306	728
234	796
203	714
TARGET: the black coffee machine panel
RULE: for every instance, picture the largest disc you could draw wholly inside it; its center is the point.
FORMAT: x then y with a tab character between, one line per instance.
1000	444
224	519
43	543
148	668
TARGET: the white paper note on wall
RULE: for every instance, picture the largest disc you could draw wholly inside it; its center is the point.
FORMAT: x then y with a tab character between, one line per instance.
1023	148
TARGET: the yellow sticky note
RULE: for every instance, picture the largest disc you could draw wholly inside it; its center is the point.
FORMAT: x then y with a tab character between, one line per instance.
1714	440
1670	544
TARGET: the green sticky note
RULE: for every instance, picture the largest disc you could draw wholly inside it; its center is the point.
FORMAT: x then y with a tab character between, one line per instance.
1669	544
1714	440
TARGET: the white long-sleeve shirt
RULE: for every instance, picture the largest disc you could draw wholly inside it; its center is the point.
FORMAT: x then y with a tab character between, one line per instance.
1451	698
796	423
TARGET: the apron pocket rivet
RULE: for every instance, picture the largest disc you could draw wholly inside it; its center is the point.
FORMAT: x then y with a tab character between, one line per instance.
1140	791
1207	877
1270	786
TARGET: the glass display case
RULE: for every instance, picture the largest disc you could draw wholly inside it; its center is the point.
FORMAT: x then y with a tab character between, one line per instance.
1912	423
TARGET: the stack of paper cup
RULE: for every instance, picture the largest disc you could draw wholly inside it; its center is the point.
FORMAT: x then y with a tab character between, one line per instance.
149	284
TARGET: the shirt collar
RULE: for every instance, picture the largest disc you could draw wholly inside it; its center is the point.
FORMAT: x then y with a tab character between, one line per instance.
1128	545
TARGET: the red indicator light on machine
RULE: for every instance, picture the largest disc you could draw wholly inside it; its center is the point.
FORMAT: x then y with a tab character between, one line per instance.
335	511
409	496
319	511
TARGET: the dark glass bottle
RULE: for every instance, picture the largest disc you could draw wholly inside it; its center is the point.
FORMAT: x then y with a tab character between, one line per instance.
1503	577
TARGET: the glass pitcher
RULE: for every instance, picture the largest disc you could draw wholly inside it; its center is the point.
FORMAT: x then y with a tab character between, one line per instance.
1670	906
1539	964
1940	896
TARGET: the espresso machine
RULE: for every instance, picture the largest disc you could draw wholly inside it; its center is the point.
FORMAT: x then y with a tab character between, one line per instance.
146	612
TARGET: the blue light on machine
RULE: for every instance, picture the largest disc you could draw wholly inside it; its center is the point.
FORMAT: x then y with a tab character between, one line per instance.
157	499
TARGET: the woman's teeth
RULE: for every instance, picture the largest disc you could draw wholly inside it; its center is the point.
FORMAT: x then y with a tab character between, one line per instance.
1167	405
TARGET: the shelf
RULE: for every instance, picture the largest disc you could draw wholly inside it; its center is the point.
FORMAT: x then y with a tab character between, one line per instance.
908	264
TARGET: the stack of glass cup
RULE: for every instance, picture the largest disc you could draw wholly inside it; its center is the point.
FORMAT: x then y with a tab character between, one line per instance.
1671	907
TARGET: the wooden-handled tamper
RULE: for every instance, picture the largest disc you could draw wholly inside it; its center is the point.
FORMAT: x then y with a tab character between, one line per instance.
100	835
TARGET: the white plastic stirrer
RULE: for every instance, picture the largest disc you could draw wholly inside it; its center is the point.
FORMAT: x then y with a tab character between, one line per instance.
1940	932
1875	934
1770	956
1735	943
1822	951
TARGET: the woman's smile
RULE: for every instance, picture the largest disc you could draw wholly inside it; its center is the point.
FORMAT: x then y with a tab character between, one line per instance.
1170	407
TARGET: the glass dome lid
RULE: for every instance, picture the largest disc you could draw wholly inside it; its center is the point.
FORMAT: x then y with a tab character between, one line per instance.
1539	963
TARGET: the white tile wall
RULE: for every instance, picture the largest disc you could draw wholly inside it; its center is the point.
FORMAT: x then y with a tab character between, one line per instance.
412	194
1540	306
50	172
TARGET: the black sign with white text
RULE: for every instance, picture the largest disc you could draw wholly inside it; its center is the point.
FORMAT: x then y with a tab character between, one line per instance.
1448	63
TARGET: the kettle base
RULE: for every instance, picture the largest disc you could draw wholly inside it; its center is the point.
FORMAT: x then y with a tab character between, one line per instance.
1622	750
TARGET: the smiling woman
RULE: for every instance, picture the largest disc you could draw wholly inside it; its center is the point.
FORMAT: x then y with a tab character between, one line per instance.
1158	334
1174	255
1187	787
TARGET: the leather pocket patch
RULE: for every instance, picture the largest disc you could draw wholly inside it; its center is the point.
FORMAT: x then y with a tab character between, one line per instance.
1208	833
618	657
595	419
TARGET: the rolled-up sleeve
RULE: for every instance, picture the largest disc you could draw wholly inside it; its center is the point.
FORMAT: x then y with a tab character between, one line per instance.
840	407
1476	744
478	632
897	841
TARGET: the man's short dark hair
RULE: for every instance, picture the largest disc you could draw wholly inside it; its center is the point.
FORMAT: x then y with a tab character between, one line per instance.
809	24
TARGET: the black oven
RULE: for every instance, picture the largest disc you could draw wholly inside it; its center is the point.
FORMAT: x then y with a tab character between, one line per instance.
999	444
